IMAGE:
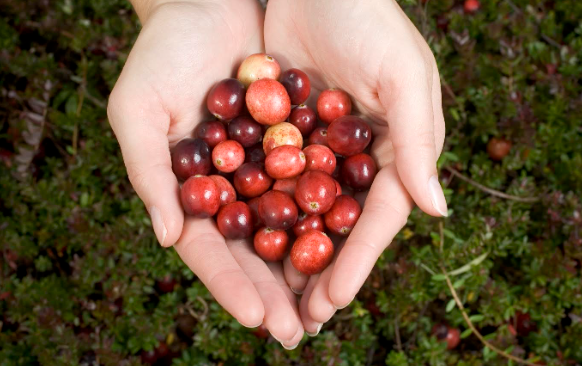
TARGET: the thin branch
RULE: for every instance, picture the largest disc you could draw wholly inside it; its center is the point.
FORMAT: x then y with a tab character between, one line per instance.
397	334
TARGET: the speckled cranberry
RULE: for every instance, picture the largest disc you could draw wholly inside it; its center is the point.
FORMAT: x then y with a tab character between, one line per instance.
312	252
245	131
226	99
212	132
319	157
307	223
250	180
304	118
318	137
235	221
285	162
258	66
286	185
270	244
228	156
253	204
348	135
225	189
333	103
200	196
277	210
297	84
315	192
255	154
343	215
282	134
358	171
268	102
191	157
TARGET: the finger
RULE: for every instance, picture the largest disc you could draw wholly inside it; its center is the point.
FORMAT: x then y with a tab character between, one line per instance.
320	307
204	251
437	107
296	280
311	326
385	212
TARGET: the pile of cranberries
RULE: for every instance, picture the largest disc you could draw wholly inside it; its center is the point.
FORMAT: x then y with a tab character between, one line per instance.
283	174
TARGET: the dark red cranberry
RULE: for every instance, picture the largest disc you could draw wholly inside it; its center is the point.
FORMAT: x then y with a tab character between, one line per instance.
343	215
148	357
261	332
333	103
200	196
498	148
166	284
297	84
318	137
226	99
358	171
277	210
227	156
225	189
270	244
235	221
304	118
315	192
191	157
250	180
312	252
245	130
185	324
319	157
307	223
285	162
255	154
348	135
254	206
524	324
286	185
212	132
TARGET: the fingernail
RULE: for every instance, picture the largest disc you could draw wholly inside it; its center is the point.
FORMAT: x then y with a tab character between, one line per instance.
437	196
316	332
158	224
250	326
343	307
289	348
296	292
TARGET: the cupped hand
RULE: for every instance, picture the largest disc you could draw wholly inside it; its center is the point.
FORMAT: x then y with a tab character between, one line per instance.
183	49
371	50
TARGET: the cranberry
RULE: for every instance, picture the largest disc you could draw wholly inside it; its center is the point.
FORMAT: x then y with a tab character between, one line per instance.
148	357
358	171
225	189
268	102
228	156
297	84
285	162
212	132
318	137
271	245
235	220
261	332
343	215
498	148
255	154
319	157
524	324
282	134
277	210
286	185
304	118
471	6
258	66
312	252
166	284
245	131
315	192
348	135
226	99
338	187
333	103
191	157
447	334
250	180
253	204
200	196
306	223
185	324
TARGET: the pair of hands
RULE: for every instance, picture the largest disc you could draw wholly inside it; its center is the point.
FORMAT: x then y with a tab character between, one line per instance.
370	49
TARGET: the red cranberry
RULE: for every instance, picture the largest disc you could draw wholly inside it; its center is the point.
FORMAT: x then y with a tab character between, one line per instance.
297	84
498	148
471	6
447	334
348	135
258	66
212	132
271	245
148	357
261	332
306	223
524	324
166	284
319	157
318	137
228	156
285	162
338	187
343	215
333	103
282	134
255	154
226	99
268	102
286	185
191	157
253	204
250	180
304	118
358	171
277	210
200	196
245	131
235	220
315	192
225	189
312	252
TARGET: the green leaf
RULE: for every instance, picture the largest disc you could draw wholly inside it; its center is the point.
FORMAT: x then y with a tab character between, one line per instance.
476	318
450	305
475	262
466	333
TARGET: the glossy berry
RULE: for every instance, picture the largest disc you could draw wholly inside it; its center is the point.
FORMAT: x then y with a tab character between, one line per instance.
312	252
447	334
200	196
277	210
286	185
304	118
348	135
212	132
228	156
315	192
258	66
166	284
297	84
319	157
498	148
343	215
318	137
245	131
282	134
307	223
191	157
226	99
235	221
333	103
268	102
250	180
285	162
338	188
270	244
225	189
255	154
253	204
471	6
358	171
